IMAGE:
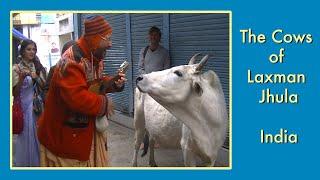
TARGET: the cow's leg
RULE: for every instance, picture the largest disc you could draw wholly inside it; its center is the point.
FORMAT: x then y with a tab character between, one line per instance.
139	134
152	162
213	158
213	161
189	157
139	124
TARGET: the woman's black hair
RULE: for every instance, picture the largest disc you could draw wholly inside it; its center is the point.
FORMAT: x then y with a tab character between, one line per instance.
36	60
24	44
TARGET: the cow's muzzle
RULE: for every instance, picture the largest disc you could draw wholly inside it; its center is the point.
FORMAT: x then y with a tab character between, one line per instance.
139	78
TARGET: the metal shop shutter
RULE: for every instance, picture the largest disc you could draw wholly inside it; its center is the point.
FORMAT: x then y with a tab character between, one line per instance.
140	24
116	55
205	33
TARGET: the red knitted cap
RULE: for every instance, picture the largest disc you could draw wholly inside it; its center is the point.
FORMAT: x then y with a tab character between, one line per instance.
96	25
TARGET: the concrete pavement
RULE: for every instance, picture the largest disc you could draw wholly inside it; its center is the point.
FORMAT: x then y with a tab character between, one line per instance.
121	147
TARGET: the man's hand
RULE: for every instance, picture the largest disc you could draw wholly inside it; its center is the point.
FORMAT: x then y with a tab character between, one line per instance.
119	83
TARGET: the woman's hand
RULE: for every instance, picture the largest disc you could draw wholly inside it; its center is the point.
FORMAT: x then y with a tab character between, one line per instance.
37	78
22	75
34	75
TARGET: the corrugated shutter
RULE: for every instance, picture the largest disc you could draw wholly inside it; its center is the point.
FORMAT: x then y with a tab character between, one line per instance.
140	24
205	33
116	55
189	34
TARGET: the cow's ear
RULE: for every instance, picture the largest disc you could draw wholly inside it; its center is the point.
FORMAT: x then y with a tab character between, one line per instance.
197	88
211	77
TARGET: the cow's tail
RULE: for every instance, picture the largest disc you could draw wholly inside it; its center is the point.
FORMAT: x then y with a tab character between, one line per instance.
145	144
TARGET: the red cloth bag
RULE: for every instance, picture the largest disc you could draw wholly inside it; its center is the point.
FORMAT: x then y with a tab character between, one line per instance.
17	116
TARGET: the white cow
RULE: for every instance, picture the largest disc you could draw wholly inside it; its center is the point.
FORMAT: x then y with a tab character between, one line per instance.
197	100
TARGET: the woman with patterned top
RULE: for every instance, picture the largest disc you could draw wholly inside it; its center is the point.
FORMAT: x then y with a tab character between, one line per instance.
27	75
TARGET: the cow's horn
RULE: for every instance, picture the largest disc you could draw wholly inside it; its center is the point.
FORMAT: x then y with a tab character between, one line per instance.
193	59
202	63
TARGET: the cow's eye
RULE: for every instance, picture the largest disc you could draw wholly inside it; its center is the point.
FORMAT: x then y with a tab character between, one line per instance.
178	73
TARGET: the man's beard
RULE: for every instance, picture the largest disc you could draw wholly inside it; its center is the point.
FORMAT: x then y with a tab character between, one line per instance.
100	53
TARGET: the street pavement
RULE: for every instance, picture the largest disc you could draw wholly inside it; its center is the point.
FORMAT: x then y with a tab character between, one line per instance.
121	148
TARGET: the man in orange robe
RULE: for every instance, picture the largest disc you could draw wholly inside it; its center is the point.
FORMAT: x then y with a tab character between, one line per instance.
66	129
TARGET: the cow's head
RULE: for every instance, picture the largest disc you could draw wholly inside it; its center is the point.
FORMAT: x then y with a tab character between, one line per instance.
177	84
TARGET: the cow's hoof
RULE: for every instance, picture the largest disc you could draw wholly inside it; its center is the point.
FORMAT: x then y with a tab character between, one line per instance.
134	164
153	165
